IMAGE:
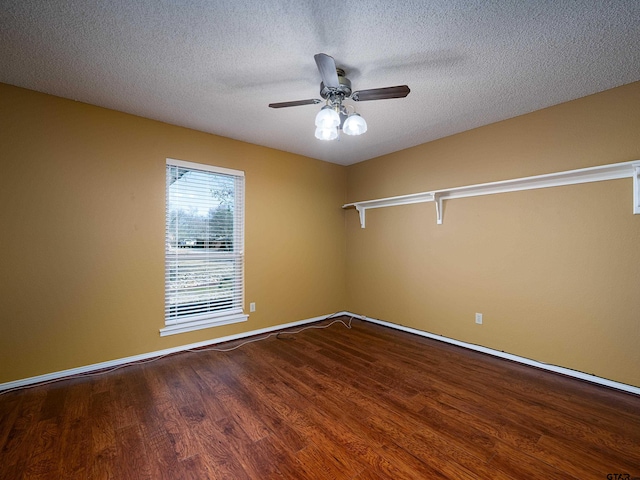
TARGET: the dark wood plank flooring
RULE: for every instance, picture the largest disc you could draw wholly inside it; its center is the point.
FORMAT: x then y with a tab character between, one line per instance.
365	403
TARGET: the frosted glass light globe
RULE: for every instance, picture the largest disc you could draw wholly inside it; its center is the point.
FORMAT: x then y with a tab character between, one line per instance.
327	117
327	133
354	125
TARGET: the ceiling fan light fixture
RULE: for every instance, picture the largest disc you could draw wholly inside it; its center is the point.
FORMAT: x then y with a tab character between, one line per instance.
354	125
335	88
330	133
327	118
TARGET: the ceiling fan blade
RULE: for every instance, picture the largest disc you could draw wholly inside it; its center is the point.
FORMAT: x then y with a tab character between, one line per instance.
296	103
327	67
399	91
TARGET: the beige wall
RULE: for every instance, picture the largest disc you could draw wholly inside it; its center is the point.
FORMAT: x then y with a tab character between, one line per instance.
82	217
556	272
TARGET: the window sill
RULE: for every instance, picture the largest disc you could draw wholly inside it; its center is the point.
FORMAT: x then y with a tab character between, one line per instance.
201	324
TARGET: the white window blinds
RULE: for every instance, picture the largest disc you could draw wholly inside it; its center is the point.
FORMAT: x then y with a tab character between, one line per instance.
204	246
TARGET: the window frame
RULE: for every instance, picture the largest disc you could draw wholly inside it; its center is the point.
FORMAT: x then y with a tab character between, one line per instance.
181	323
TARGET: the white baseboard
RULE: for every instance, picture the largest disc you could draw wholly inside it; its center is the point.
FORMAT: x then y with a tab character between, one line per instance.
496	353
48	377
147	356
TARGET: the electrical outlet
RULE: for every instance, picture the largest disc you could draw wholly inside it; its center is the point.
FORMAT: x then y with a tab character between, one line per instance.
479	318
252	307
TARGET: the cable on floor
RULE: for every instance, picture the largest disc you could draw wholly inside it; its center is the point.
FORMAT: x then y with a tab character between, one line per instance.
275	334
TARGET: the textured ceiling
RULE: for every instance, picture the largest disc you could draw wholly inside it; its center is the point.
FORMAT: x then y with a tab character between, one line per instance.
215	65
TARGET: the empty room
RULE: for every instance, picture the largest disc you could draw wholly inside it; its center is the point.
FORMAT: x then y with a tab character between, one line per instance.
320	240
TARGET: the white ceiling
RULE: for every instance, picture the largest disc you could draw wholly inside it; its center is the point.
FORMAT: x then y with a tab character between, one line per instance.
215	65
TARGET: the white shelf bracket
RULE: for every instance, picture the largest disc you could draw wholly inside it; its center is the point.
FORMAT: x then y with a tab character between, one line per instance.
636	189
437	198
361	211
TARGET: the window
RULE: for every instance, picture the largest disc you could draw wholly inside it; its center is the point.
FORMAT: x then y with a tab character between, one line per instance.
204	257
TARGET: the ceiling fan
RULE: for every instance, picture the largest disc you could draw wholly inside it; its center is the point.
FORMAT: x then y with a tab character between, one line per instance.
335	88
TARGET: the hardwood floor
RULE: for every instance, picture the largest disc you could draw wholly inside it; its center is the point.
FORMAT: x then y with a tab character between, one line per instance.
365	403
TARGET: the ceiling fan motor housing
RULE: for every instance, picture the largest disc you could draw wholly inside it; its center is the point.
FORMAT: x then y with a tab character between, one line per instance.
343	90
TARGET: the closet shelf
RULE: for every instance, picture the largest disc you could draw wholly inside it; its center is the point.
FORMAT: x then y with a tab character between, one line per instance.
570	177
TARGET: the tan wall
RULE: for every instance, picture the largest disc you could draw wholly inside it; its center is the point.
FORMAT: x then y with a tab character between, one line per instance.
556	272
82	217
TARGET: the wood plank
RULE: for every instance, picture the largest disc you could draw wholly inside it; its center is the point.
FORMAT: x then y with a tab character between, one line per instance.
131	451
14	456
43	461
76	434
